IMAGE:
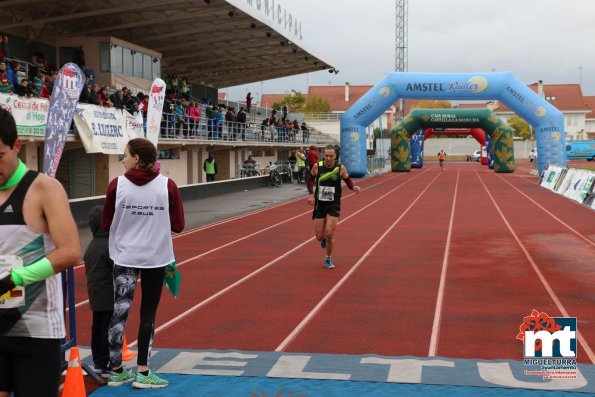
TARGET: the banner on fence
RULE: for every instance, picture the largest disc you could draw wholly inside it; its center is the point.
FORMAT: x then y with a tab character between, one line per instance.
564	180
551	176
30	114
155	110
587	188
65	95
578	180
106	130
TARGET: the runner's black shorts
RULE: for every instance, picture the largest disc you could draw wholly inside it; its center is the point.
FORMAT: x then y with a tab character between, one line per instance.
321	210
30	367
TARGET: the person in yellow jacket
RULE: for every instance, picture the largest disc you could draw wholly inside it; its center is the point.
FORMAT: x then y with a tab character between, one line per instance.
300	163
210	168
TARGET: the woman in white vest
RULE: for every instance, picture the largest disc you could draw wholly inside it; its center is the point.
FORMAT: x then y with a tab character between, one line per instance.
141	209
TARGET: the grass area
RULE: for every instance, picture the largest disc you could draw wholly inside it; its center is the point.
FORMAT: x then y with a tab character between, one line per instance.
583	167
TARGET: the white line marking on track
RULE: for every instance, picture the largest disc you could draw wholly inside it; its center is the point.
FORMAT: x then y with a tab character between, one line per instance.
291	337
550	214
264	267
440	297
239	239
547	286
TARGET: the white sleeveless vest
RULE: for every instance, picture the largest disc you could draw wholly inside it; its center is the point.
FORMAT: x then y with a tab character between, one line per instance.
140	234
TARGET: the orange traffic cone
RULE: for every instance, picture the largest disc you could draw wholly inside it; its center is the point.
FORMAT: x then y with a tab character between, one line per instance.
127	354
74	385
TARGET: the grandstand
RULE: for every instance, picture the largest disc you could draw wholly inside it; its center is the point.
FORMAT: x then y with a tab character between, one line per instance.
211	43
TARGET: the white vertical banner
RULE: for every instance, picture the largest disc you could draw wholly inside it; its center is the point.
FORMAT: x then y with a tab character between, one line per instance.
155	110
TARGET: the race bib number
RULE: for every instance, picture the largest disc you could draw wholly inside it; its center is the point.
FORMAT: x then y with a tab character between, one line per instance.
15	297
326	193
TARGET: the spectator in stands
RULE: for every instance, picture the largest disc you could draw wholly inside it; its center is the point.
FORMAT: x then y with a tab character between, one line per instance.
219	129
210	168
241	119
249	102
174	83
143	104
284	110
104	97
305	133
4	50
23	89
13	73
117	99
263	127
180	112
193	112
86	91
36	77
40	61
5	85
211	119
185	89
94	95
48	86
230	123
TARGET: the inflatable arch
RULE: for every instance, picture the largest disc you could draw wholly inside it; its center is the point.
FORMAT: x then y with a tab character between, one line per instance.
504	86
417	141
500	132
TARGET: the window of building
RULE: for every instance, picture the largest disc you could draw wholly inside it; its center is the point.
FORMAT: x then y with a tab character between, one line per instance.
156	68
147	64
104	57
116	58
137	61
127	62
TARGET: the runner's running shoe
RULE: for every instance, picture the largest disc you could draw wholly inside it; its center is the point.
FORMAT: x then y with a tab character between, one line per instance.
328	263
117	379
150	381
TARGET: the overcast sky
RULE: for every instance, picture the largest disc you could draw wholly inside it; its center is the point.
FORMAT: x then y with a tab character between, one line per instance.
547	40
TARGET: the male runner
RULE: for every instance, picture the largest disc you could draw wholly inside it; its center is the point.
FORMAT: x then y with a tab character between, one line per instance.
326	198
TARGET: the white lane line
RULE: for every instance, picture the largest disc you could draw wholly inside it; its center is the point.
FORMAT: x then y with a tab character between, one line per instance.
589	241
291	337
239	239
440	297
81	265
264	267
540	275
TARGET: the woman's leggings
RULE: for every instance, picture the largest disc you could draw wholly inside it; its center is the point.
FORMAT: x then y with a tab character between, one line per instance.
125	279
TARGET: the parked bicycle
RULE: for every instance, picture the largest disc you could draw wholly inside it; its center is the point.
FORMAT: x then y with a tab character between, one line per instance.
275	175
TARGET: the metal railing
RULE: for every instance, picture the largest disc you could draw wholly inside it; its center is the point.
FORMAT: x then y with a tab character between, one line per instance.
323	116
377	165
184	127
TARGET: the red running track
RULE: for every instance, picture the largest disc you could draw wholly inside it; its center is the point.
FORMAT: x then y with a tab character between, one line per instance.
429	263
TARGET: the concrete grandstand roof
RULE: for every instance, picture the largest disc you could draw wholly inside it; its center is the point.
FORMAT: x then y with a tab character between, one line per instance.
220	43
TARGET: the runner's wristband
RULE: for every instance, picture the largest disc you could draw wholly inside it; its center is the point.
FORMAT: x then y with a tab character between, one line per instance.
349	183
38	271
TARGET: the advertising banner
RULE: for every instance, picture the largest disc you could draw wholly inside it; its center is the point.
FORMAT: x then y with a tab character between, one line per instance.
65	95
105	130
550	177
155	110
30	114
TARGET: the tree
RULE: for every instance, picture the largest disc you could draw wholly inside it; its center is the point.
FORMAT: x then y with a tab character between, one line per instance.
433	104
520	127
385	133
295	102
317	104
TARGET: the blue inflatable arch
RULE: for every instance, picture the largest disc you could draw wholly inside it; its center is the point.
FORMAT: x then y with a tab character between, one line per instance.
504	86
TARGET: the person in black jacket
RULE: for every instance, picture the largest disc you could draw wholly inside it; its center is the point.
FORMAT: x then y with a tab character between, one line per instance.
99	269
